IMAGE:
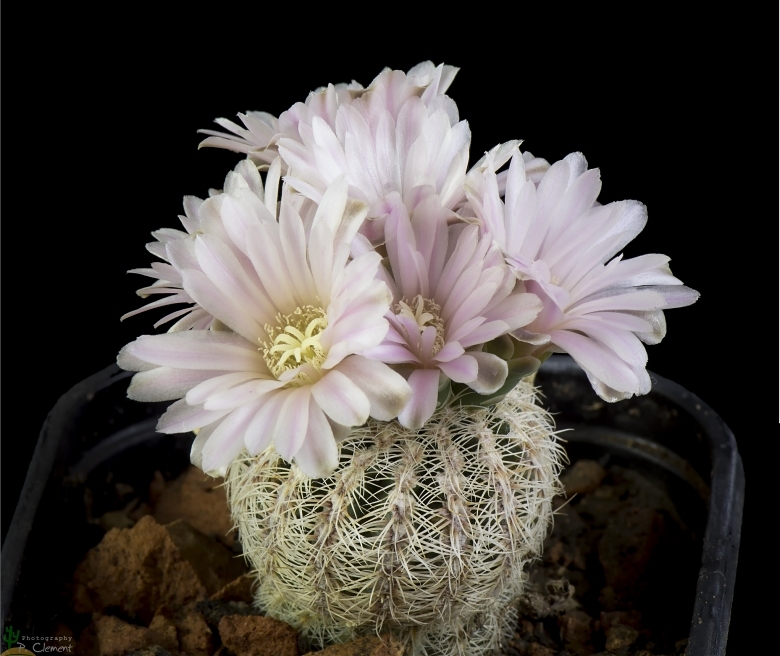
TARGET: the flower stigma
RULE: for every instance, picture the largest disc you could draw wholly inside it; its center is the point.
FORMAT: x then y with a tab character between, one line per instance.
424	312
295	340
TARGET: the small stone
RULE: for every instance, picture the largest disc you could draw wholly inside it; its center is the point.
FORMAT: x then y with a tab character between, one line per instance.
115	637
575	631
239	589
196	498
215	565
115	519
154	650
535	649
367	646
583	477
162	632
544	597
213	610
136	570
142	510
258	636
195	636
123	490
619	636
632	618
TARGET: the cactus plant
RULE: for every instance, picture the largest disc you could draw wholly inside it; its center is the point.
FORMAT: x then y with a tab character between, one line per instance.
425	533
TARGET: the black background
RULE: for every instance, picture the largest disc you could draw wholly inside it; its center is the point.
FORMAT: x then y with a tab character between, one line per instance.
99	145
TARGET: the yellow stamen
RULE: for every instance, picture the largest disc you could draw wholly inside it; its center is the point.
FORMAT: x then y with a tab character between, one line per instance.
426	312
418	315
295	339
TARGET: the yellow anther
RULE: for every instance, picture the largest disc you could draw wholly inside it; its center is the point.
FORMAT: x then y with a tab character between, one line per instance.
295	339
419	315
426	312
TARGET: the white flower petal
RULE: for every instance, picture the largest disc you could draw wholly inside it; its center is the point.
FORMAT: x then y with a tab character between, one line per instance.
386	390
516	310
182	417
356	340
165	383
390	354
449	351
463	369
293	241
596	359
272	186
492	373
202	349
484	333
216	383
221	266
341	399
196	450
657	322
260	431
241	394
129	362
425	391
228	310
227	439
292	420
318	456
621	342
618	299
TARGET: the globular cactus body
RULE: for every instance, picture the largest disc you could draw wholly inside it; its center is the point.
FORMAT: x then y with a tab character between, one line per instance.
422	533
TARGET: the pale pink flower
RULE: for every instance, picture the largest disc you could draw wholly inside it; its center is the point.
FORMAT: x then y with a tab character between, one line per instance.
293	315
395	137
402	135
261	132
564	244
243	184
535	168
452	293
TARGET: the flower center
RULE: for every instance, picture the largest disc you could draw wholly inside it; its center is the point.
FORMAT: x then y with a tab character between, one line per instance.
295	340
424	312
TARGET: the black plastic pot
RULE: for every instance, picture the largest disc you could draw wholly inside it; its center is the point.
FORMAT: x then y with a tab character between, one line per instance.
94	435
685	447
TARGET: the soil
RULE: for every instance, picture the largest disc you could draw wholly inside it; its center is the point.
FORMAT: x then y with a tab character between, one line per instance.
615	576
166	577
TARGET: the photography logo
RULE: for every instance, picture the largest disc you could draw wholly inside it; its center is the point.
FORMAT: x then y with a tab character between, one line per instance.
10	638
